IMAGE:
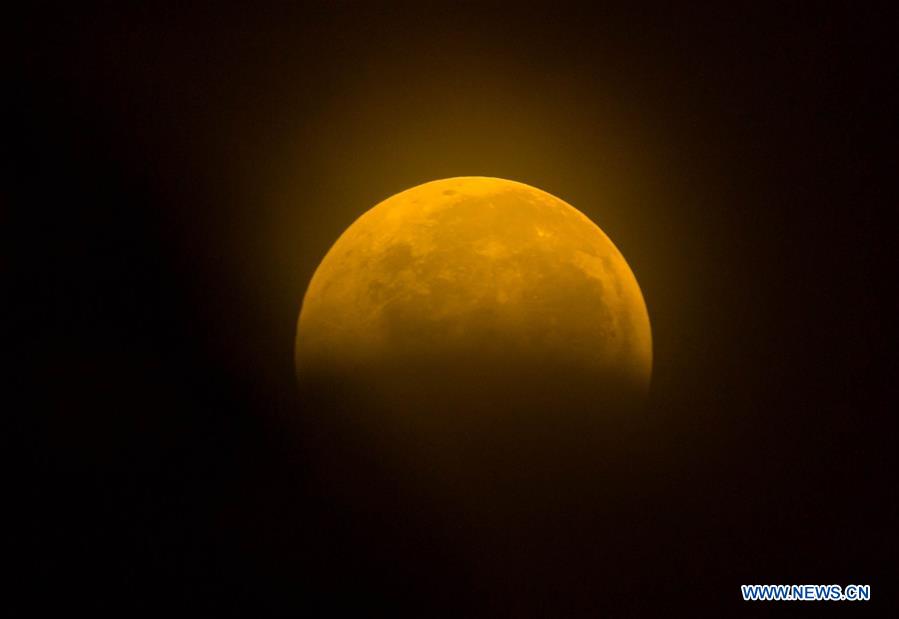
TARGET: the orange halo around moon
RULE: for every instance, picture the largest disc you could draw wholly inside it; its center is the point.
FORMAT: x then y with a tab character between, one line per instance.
474	268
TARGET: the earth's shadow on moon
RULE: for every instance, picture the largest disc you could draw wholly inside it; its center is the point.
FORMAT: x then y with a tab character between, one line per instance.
507	466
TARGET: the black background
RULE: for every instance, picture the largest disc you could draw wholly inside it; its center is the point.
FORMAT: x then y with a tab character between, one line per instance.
181	172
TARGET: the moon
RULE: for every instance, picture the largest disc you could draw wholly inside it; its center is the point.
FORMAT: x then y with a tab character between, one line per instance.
478	286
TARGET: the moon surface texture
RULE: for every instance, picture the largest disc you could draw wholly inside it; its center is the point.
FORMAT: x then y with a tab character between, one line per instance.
475	289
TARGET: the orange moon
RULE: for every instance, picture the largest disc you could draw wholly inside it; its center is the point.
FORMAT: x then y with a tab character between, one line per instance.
471	269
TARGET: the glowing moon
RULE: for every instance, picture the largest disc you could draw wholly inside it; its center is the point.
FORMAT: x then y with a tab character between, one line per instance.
468	269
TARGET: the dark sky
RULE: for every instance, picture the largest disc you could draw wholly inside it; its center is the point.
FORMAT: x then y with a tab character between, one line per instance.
178	174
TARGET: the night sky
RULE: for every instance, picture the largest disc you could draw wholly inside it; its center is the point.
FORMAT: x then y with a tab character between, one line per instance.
178	174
